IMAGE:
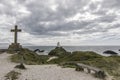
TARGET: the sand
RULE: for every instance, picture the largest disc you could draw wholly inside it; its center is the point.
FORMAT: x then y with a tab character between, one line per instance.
42	72
53	72
5	65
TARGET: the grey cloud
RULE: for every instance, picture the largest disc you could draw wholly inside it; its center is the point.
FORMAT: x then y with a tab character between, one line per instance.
111	4
107	18
40	29
40	11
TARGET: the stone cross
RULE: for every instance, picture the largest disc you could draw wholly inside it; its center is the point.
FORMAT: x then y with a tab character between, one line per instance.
16	30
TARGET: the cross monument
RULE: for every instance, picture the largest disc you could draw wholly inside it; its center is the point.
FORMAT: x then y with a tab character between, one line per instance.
16	30
15	46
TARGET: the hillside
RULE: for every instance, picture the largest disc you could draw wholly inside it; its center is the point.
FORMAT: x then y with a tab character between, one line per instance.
30	57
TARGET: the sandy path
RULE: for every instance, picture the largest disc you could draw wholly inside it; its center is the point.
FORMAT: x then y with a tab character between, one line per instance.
41	72
53	72
5	65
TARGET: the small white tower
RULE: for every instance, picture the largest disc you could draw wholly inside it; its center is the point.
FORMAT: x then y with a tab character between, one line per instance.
58	44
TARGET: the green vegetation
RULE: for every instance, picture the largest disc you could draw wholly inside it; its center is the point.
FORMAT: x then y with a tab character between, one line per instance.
59	51
109	64
77	56
30	57
82	56
20	66
12	75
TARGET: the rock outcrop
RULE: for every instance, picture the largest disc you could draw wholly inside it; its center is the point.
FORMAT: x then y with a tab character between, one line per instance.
38	50
58	51
110	52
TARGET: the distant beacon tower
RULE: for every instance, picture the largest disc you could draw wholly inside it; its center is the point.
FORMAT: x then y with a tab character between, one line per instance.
58	44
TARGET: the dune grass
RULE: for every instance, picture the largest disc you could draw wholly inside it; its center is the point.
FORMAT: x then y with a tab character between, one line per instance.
109	64
30	57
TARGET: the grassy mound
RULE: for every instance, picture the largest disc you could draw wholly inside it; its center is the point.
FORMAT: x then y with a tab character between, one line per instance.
20	66
12	75
58	51
82	56
29	57
77	56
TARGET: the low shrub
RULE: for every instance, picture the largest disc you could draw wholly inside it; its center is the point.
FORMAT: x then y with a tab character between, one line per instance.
12	75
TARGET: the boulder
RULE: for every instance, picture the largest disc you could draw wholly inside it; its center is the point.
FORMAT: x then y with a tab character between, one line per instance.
110	52
38	50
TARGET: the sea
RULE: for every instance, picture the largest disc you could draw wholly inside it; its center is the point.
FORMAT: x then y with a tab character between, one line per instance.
97	49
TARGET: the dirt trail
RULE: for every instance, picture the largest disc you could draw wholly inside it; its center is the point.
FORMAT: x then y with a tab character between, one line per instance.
5	65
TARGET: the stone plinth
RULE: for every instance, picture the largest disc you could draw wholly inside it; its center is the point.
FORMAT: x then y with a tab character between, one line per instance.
14	46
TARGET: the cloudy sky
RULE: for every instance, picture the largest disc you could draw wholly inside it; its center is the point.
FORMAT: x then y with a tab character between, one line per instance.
71	22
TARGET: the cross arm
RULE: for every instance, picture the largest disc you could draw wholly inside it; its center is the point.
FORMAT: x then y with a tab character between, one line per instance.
12	30
19	30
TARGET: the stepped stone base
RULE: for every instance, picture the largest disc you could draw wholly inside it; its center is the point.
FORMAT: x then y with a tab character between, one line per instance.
14	47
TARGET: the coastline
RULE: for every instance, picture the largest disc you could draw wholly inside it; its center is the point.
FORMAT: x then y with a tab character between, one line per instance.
98	49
